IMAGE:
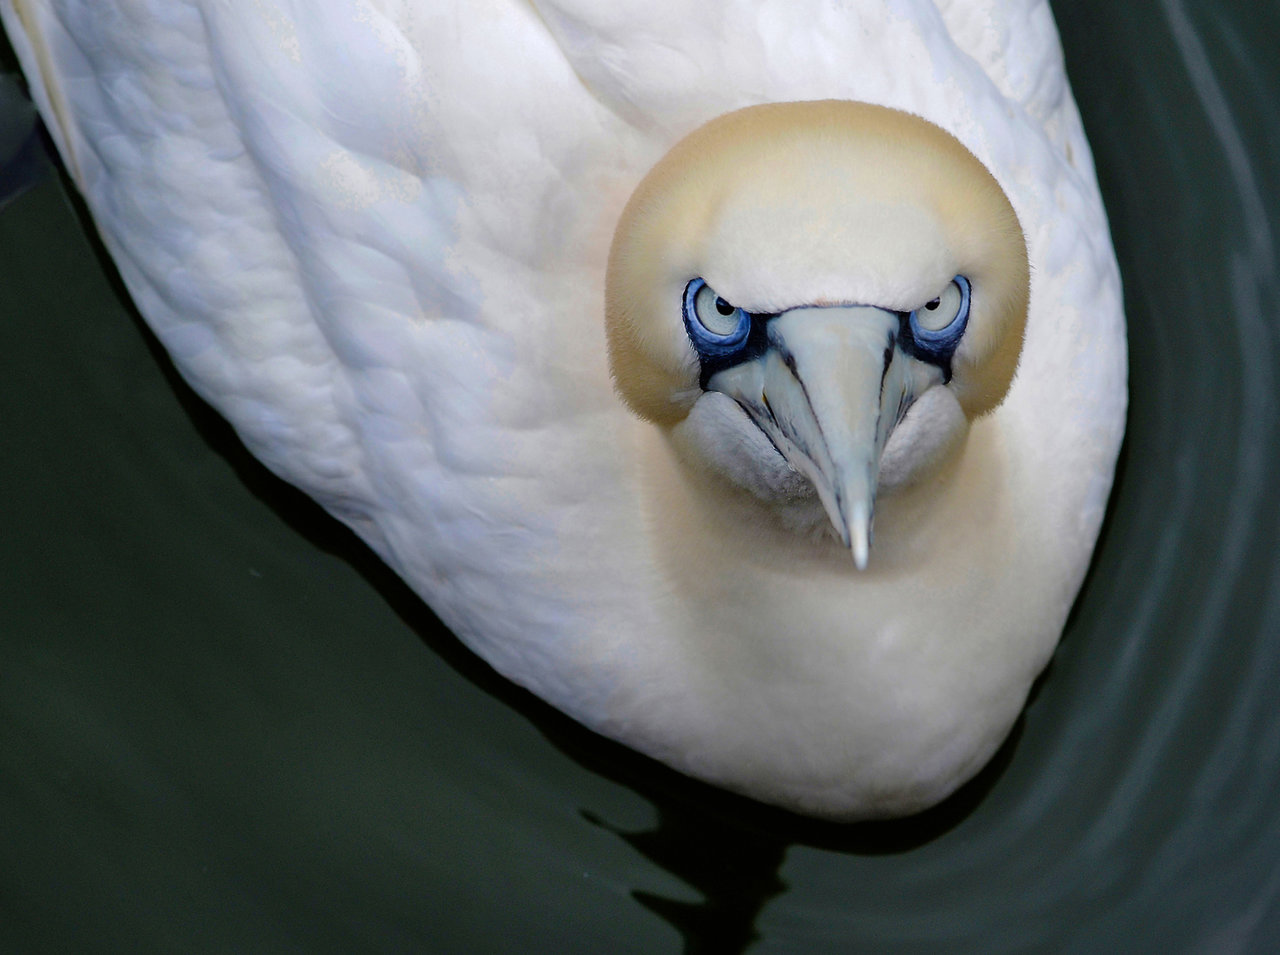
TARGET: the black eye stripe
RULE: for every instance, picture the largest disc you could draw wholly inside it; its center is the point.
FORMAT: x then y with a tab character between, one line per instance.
755	345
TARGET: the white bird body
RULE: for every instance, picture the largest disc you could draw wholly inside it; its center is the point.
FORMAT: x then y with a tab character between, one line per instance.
374	234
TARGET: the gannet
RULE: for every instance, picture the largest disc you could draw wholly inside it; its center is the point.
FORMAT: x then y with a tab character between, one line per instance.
745	379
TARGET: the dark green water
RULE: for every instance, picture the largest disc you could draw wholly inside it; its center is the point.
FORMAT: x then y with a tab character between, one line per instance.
224	726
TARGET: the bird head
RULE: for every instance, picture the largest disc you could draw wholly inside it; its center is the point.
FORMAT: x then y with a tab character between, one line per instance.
823	265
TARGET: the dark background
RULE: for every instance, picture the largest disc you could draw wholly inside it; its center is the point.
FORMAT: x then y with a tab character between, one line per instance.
224	726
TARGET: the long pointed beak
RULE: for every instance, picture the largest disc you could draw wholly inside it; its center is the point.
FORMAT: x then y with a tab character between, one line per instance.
828	392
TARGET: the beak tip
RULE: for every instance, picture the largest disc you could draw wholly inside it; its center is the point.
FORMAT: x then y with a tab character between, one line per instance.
859	537
860	558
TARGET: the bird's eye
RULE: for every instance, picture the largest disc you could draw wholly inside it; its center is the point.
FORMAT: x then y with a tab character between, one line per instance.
715	327
938	324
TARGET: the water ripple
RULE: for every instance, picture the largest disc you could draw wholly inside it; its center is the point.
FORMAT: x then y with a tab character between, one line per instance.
1135	808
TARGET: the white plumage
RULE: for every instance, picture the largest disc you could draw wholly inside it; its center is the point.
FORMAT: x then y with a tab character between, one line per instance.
374	235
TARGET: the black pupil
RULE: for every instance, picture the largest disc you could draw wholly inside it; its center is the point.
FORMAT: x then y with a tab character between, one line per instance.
723	307
934	304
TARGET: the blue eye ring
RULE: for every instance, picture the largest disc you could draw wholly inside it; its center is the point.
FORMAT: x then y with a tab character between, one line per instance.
941	343
710	344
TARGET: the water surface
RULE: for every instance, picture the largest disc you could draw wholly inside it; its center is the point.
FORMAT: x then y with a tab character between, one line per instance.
225	726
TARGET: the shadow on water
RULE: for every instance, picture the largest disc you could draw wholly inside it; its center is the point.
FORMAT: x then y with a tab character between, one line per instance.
731	848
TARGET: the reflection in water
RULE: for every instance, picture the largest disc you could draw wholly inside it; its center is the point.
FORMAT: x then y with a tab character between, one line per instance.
731	849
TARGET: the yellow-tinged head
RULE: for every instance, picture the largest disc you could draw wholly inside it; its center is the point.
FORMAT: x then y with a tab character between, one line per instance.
823	264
